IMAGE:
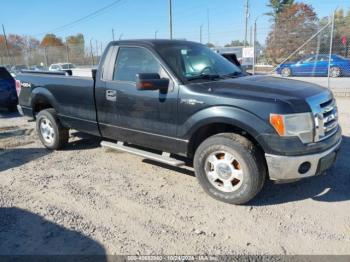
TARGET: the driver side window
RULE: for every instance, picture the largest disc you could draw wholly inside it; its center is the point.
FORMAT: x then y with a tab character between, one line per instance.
135	60
310	60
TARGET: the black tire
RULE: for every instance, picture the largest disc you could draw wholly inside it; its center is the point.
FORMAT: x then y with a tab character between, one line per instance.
335	72
251	164
60	134
286	72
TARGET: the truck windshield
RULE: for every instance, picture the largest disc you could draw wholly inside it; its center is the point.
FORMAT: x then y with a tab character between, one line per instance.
193	61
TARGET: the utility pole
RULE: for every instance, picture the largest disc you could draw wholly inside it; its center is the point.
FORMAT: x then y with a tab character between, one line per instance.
67	52
96	48
208	21
6	44
113	34
46	56
251	36
201	34
331	49
254	46
92	54
171	18
155	34
246	22
121	36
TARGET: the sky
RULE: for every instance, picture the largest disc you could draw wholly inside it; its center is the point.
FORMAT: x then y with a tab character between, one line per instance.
142	18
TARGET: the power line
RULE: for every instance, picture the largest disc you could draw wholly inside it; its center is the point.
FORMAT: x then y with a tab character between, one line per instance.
89	16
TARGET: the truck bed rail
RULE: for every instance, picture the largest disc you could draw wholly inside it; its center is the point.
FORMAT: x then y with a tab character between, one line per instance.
42	72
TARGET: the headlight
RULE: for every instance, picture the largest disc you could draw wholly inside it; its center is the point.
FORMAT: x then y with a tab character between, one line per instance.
300	125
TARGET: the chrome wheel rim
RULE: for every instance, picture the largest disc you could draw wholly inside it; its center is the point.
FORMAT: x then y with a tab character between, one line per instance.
224	171
47	131
286	72
335	72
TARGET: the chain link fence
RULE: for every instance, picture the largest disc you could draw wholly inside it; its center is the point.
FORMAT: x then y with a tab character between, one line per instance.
314	52
80	55
307	48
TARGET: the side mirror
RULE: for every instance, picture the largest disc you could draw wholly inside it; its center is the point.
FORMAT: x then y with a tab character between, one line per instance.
151	81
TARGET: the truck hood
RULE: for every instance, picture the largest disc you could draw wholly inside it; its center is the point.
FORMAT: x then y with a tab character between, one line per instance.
263	86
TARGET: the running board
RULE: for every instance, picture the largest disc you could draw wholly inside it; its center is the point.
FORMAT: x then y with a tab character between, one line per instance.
164	158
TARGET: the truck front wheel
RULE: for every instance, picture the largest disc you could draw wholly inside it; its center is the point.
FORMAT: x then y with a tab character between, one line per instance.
51	133
230	168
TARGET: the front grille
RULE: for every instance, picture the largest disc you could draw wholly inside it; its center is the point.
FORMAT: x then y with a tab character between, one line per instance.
325	113
329	116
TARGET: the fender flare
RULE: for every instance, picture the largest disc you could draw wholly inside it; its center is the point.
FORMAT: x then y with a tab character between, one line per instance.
42	94
240	118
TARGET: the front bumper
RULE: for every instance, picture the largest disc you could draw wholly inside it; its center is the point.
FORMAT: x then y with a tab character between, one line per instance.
284	168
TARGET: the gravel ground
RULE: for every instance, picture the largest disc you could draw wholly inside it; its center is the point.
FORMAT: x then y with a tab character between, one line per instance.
89	200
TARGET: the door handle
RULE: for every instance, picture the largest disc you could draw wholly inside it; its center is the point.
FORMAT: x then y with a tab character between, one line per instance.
111	95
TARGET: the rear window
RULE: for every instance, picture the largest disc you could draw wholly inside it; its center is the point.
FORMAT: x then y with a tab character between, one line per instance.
4	74
68	66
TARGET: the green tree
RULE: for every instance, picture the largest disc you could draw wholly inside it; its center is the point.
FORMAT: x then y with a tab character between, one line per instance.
292	28
278	6
236	43
75	39
51	40
76	46
342	29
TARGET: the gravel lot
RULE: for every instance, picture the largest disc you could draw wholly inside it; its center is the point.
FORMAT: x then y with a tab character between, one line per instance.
88	200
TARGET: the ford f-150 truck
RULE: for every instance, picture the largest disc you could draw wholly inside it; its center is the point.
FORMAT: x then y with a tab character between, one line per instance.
178	102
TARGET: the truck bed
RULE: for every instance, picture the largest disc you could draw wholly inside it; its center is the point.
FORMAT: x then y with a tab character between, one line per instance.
72	96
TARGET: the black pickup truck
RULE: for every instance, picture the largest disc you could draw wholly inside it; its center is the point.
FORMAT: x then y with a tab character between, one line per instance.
178	102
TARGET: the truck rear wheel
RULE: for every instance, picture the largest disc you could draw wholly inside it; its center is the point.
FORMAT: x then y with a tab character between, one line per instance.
51	133
230	168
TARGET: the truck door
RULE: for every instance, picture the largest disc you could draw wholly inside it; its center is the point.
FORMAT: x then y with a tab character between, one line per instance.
145	118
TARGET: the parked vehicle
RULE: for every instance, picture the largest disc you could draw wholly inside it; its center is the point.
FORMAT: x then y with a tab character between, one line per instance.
316	65
8	95
181	99
18	68
61	67
235	56
37	68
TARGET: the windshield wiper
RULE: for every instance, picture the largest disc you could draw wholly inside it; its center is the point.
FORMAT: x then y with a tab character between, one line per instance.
234	74
204	76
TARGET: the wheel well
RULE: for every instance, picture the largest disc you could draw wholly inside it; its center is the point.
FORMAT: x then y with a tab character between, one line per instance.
41	105
213	129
